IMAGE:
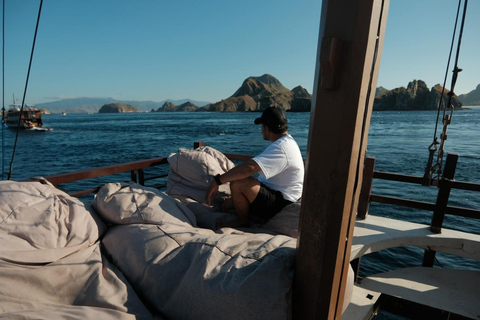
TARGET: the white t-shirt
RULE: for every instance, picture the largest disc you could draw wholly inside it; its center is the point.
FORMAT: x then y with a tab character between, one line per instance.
282	167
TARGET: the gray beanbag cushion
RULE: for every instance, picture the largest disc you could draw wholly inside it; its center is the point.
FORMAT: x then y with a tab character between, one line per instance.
126	203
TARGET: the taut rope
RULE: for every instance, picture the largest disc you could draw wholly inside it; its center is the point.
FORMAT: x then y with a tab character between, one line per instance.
431	168
3	91
25	91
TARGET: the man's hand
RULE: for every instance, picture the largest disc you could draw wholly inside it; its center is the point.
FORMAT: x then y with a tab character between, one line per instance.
242	171
212	189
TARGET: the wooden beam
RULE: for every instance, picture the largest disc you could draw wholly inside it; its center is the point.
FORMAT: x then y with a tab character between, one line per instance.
339	123
465	185
422	205
401	178
104	171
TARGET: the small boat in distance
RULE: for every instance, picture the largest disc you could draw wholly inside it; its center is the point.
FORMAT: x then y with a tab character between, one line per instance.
28	118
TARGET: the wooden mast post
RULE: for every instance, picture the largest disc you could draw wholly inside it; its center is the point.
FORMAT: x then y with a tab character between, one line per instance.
350	46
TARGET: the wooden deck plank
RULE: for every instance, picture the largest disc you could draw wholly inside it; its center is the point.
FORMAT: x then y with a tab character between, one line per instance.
451	290
446	289
377	233
361	305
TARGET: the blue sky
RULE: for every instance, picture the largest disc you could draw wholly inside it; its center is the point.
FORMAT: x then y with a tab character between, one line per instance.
203	50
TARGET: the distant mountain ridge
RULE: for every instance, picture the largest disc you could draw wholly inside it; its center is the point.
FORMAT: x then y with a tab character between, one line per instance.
93	105
258	93
472	98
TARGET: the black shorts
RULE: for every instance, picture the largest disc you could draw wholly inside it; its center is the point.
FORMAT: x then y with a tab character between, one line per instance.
267	203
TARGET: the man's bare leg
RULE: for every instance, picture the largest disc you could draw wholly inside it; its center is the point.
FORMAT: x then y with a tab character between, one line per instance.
243	193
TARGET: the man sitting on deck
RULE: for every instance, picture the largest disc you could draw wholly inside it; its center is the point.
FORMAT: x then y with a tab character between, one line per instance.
281	171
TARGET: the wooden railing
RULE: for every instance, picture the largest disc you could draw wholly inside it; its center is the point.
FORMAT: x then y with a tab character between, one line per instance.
136	173
439	208
136	169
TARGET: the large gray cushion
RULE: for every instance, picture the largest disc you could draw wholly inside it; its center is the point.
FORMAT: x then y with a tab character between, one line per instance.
192	273
192	171
125	203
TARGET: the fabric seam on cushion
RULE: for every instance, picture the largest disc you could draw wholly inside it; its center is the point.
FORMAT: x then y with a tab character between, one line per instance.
215	246
21	205
135	201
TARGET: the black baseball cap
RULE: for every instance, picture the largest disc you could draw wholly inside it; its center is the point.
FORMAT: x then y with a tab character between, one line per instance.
274	118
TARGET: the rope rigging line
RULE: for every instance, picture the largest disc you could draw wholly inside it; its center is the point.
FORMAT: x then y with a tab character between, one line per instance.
431	169
25	91
3	90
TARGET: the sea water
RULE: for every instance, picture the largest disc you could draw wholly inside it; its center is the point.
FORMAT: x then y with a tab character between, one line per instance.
398	140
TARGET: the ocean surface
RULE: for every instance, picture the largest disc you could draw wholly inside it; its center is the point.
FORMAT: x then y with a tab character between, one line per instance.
398	140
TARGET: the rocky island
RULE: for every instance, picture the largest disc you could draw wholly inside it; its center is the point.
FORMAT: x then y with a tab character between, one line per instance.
170	107
117	108
417	96
258	93
255	94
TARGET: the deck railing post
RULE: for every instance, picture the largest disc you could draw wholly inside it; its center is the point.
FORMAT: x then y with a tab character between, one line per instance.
133	175
141	177
356	268
444	192
366	190
198	144
429	258
441	204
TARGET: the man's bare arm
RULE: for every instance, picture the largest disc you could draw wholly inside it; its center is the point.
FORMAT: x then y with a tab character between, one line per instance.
242	171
